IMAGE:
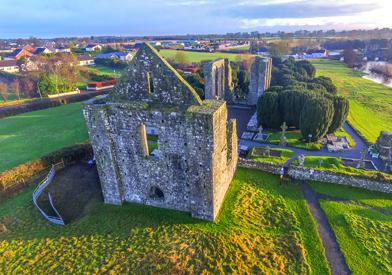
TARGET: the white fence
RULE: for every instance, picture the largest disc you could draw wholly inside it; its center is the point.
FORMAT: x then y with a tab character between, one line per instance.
37	192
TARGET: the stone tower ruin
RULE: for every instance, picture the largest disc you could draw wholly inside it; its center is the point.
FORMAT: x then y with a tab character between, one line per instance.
157	143
217	79
260	78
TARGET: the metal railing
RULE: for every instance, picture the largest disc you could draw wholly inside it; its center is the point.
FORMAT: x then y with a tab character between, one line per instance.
37	192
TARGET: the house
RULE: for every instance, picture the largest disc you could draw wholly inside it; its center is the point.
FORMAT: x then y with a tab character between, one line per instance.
9	66
42	50
62	50
123	56
315	53
93	48
85	60
19	54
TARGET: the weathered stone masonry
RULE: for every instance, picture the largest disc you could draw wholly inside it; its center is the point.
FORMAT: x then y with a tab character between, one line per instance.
197	148
218	79
260	78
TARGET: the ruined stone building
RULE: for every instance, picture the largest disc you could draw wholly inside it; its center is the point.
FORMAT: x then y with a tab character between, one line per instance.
157	143
384	147
217	79
260	78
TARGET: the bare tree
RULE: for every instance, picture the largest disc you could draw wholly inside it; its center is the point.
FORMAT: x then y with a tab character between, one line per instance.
15	86
4	91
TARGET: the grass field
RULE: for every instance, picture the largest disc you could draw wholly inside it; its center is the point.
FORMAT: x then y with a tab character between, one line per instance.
285	155
293	140
370	102
363	227
263	228
195	57
32	135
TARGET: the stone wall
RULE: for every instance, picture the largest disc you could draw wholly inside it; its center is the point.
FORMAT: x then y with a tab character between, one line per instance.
302	173
260	78
218	79
196	153
384	146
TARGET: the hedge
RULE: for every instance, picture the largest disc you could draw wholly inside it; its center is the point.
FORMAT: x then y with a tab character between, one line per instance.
19	176
46	103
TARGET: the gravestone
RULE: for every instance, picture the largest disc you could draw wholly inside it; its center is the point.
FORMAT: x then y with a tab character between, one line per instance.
283	139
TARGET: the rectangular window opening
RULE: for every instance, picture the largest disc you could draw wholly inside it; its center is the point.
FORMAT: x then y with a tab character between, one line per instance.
150	83
152	141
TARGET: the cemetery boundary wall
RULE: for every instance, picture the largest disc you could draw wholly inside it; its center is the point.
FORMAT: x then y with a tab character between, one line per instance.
376	183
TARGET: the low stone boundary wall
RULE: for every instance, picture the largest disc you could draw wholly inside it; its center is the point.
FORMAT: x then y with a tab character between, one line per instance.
303	173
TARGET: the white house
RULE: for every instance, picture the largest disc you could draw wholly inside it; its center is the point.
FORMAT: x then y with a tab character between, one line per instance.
85	60
93	47
123	56
42	50
9	66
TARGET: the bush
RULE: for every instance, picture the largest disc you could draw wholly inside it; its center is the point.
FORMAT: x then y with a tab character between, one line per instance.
268	113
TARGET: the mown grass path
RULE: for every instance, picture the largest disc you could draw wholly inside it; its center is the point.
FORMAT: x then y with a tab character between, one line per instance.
335	258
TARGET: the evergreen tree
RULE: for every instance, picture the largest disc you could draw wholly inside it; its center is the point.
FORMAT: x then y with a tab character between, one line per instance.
341	108
316	117
268	113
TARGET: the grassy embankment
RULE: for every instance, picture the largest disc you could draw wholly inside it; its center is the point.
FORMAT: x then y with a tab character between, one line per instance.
370	102
362	225
32	135
263	228
293	139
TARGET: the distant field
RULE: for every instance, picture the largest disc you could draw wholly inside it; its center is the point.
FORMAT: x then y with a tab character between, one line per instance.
362	225
370	102
32	135
264	228
195	57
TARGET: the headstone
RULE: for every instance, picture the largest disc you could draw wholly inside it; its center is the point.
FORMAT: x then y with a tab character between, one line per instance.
363	157
268	151
283	140
301	160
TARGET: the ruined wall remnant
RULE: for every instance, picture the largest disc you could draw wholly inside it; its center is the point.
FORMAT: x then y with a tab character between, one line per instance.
384	146
218	79
260	78
196	154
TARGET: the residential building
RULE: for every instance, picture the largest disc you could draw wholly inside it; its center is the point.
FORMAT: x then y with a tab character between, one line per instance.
123	56
93	48
42	50
85	60
19	54
9	66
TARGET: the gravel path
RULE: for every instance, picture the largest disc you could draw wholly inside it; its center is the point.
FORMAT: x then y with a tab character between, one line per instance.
335	258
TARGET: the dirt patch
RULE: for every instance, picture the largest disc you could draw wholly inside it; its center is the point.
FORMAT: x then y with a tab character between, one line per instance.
73	190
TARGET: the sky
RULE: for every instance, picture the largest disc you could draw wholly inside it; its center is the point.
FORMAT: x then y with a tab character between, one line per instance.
57	18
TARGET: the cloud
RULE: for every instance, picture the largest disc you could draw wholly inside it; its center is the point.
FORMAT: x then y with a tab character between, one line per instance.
296	9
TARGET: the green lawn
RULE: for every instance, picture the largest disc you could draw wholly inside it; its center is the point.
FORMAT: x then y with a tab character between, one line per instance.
285	155
32	135
370	102
195	57
263	228
363	227
104	70
293	140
